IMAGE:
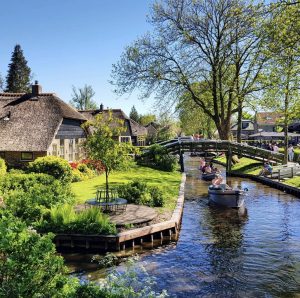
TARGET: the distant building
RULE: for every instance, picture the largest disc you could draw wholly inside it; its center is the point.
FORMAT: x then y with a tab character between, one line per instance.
267	121
38	124
135	133
248	128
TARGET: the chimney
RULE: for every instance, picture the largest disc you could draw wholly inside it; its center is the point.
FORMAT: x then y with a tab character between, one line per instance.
36	89
101	107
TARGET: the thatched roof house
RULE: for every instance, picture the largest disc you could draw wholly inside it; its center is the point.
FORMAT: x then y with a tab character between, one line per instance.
135	133
38	124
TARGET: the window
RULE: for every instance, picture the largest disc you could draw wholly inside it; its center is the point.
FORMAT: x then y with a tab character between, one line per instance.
71	150
26	156
54	150
141	141
245	125
125	139
62	148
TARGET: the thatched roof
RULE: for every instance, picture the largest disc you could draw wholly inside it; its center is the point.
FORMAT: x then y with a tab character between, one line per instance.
28	122
132	128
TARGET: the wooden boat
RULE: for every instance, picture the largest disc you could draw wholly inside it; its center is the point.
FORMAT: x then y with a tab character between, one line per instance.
219	195
208	176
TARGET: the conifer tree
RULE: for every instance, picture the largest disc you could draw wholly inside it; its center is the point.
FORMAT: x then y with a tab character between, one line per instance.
18	77
134	115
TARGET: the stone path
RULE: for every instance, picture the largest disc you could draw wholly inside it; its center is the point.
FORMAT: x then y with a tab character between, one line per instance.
134	214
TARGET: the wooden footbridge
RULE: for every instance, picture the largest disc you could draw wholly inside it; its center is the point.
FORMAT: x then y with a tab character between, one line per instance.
178	146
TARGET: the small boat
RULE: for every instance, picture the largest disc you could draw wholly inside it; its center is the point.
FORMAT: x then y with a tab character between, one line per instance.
219	195
208	176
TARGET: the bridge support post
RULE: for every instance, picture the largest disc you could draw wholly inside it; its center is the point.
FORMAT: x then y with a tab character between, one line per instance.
228	160
181	161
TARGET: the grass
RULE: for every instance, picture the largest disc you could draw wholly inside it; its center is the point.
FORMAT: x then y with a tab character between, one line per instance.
245	165
293	182
168	181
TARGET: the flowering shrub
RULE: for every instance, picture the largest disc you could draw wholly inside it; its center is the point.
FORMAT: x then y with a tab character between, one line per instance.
96	165
86	169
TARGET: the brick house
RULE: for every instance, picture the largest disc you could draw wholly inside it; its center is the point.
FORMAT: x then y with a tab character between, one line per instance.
135	133
38	124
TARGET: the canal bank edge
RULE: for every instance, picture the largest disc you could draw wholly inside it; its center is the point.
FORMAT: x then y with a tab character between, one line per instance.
128	238
269	182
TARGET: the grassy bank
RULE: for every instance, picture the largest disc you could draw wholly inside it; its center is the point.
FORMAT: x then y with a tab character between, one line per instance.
168	181
244	165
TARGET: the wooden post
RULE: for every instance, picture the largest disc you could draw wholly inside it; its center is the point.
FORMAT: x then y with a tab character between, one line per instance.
181	161
228	160
279	175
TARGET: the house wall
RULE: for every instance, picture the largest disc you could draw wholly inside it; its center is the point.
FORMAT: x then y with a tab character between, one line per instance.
13	158
69	149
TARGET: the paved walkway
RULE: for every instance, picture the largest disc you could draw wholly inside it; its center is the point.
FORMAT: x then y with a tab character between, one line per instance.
134	214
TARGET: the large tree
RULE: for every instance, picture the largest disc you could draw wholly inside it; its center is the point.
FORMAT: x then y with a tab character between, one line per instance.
82	99
282	74
193	41
18	77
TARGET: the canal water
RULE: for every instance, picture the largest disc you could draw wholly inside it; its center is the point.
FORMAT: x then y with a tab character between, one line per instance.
254	252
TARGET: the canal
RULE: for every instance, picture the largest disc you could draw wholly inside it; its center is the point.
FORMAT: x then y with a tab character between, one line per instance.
254	252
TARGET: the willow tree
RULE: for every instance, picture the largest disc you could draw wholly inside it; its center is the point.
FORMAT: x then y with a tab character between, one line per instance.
192	42
282	74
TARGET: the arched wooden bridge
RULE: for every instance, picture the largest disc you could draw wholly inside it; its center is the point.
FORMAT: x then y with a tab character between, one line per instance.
178	146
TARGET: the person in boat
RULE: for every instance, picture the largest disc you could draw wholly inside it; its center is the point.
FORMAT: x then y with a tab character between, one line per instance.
202	164
207	169
219	181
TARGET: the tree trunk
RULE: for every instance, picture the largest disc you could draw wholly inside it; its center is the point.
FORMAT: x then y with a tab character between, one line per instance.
239	122
106	184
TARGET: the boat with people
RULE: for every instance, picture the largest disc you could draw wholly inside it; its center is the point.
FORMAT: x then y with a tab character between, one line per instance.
221	194
208	171
208	176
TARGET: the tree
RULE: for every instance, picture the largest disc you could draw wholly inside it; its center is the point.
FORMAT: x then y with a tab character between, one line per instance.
282	74
18	77
134	115
29	266
192	42
147	118
1	83
193	120
168	128
102	144
82	98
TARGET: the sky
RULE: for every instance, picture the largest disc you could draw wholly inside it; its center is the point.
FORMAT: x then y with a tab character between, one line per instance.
74	42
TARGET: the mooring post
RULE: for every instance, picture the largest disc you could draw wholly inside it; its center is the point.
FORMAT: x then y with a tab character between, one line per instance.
181	161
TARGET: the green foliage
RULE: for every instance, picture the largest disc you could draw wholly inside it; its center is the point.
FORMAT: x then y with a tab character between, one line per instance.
158	157
64	219
18	77
134	115
82	99
147	118
102	144
29	265
57	167
3	167
28	196
140	193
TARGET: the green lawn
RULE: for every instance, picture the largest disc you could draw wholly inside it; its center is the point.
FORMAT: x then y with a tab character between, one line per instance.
168	181
293	181
245	165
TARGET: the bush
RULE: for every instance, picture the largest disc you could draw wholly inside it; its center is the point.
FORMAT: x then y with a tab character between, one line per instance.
139	193
158	158
64	219
55	166
3	167
28	196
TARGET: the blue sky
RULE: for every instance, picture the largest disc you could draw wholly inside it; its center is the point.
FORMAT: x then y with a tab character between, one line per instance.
74	42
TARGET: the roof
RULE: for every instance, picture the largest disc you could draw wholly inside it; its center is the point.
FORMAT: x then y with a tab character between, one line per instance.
250	126
267	118
133	128
33	120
